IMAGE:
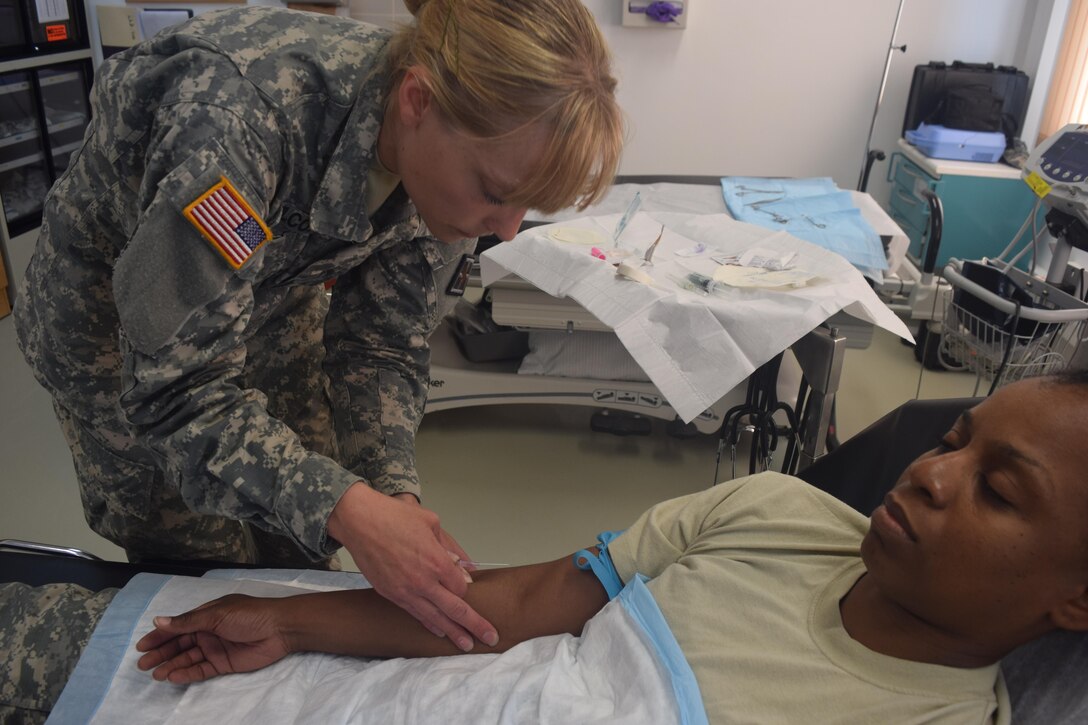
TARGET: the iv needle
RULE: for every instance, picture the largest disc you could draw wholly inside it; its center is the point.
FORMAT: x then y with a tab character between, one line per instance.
467	562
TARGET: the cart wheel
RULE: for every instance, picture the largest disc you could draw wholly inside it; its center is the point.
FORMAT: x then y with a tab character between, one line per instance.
927	347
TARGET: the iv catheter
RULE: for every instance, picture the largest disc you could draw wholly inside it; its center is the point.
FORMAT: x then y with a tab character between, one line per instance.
468	562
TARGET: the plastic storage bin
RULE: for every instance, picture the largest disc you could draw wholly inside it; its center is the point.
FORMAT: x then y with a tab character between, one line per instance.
939	142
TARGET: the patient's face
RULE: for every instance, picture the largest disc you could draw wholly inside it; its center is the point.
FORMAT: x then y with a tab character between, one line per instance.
987	532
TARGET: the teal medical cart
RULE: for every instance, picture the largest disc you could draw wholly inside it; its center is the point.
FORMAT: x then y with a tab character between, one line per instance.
984	204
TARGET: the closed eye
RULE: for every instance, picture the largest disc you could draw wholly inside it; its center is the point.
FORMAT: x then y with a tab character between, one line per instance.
992	496
944	445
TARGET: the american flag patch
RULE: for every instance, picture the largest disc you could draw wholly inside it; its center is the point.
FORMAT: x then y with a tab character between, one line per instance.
228	222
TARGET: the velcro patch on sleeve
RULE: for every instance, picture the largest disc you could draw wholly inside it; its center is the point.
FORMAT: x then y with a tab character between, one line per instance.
228	222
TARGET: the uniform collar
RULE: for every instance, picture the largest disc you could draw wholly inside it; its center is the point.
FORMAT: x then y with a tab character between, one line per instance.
339	207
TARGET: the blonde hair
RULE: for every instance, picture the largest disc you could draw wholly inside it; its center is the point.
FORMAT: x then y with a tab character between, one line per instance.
495	66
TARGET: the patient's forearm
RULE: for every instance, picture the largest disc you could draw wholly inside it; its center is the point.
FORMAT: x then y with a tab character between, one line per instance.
522	603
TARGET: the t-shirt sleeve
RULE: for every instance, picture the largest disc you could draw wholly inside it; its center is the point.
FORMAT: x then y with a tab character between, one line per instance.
665	532
735	515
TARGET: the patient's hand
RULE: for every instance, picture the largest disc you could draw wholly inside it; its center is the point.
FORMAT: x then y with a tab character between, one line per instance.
236	633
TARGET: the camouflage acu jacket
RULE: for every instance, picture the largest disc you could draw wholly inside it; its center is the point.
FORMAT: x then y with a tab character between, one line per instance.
135	311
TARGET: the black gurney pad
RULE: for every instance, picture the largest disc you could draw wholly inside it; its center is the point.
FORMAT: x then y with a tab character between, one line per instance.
868	465
969	96
94	574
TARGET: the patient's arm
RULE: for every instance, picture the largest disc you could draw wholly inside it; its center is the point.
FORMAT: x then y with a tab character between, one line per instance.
241	634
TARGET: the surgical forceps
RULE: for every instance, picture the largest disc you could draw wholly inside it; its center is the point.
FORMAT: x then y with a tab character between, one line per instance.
653	246
758	206
746	190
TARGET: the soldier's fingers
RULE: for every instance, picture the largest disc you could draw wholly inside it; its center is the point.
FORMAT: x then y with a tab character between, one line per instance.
438	623
450	544
464	617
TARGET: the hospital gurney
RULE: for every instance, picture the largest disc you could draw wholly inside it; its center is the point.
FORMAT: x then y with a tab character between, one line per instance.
809	371
1044	678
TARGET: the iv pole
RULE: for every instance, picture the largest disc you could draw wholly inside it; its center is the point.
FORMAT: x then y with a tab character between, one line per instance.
870	155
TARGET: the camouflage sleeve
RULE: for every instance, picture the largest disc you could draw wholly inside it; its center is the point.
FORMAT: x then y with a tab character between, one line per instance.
43	632
184	314
377	356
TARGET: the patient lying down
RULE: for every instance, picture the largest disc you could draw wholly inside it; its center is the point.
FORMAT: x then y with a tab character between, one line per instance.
788	605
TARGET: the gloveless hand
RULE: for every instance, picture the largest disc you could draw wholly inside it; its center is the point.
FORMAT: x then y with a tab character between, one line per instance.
407	557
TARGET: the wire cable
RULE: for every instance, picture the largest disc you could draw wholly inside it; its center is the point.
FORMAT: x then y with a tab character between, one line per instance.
1034	240
1011	332
1023	227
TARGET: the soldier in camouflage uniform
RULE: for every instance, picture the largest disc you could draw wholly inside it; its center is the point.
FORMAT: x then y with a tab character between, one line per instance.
218	403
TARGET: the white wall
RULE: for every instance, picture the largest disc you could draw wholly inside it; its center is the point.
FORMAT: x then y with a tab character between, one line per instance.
1004	32
781	87
787	87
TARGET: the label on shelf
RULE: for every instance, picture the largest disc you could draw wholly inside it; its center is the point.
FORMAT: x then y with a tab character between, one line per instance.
55	33
14	87
51	11
14	132
53	78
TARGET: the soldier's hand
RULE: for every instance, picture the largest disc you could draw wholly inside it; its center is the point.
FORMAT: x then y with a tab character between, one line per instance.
451	545
401	549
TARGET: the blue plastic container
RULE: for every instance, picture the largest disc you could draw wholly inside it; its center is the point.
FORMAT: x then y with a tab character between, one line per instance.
939	142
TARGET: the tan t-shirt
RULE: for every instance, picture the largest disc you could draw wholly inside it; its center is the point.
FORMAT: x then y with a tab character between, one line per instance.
380	183
749	575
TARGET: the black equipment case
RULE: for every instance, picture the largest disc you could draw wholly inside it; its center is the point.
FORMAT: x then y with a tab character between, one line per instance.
970	96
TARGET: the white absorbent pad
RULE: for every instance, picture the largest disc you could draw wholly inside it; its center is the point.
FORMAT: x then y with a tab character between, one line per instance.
694	348
625	668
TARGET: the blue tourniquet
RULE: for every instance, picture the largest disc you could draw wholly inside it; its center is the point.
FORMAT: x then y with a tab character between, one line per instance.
601	563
